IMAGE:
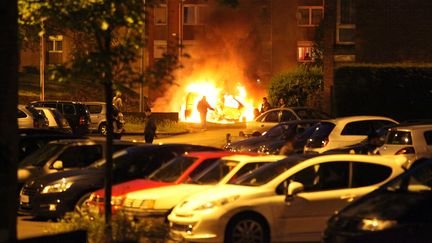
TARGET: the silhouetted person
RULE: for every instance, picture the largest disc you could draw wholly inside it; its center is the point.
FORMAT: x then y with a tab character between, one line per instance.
282	103
117	101
203	106
149	126
265	106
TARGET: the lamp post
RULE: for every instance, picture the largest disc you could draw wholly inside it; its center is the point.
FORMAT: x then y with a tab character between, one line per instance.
42	62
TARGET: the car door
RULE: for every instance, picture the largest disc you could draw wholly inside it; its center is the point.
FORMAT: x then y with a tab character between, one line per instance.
304	216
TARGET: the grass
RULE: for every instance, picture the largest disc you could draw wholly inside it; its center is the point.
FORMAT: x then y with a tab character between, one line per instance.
136	125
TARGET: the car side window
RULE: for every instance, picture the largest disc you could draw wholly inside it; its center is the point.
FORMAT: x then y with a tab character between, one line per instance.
357	128
365	174
50	105
286	116
428	137
80	156
21	114
94	109
68	109
324	176
201	167
272	117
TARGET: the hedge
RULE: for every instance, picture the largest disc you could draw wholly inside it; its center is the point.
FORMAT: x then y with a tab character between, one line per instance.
400	91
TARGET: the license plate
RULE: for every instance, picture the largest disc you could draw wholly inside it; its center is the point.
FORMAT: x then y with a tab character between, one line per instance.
24	199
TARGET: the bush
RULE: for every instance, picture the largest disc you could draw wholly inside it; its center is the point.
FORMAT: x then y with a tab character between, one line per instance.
400	91
300	87
123	229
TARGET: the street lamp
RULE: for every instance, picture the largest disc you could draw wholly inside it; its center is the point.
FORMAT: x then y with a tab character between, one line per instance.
42	61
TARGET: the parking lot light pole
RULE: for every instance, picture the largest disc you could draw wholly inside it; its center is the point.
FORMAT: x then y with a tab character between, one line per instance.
42	63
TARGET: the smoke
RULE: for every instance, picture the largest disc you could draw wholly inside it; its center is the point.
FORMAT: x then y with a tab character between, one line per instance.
227	52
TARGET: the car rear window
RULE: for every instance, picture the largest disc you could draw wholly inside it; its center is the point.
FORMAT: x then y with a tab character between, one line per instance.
365	174
322	131
399	137
358	128
428	137
94	109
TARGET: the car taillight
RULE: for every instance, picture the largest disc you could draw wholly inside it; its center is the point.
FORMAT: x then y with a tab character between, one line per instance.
82	121
407	150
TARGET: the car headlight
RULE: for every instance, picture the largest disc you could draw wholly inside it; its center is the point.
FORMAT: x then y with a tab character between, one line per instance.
217	203
376	224
148	204
57	187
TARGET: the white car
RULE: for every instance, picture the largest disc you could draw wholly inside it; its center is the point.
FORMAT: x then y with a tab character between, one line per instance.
158	202
289	200
344	131
413	142
272	117
29	117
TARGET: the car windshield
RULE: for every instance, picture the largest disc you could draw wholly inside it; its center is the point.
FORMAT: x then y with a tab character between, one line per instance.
399	137
117	158
418	181
172	170
267	173
276	131
42	155
215	172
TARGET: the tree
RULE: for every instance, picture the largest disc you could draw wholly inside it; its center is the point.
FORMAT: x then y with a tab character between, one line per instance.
299	87
8	121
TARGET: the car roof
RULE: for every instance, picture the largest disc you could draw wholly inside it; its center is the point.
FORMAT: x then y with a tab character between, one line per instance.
300	121
216	154
56	101
347	119
94	103
249	158
412	127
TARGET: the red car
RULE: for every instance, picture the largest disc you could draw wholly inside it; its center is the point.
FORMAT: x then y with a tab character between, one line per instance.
176	171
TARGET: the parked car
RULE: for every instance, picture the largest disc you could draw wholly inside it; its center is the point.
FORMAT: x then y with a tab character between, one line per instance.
272	117
158	202
28	117
344	131
52	195
76	113
55	119
399	211
178	170
272	140
64	155
289	200
412	141
32	139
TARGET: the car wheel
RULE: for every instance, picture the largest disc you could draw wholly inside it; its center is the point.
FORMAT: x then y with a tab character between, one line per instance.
103	129
81	206
247	228
256	134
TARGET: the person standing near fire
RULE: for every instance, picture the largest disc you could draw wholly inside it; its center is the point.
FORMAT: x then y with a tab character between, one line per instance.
265	106
203	106
149	126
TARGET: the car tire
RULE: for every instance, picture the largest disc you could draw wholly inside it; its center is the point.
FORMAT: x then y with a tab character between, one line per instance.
80	206
256	134
103	128
247	228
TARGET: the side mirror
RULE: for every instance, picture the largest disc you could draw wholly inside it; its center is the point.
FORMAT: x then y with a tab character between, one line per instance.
58	165
293	189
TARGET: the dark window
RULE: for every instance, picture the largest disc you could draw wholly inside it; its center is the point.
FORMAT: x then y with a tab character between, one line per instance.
322	177
68	109
286	116
51	105
399	137
95	109
172	170
202	166
21	114
365	174
347	12
216	172
428	137
245	170
272	117
357	128
320	134
80	156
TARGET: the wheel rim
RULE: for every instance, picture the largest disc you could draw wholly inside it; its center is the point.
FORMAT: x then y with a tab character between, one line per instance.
103	129
248	231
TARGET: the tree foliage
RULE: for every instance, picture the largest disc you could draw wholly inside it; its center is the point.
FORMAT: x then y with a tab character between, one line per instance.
299	87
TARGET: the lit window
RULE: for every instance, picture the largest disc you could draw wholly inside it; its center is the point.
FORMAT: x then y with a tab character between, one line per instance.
195	14
160	48
304	51
309	15
55	43
345	22
160	15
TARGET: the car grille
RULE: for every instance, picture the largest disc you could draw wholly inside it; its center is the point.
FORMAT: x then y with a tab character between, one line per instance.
181	227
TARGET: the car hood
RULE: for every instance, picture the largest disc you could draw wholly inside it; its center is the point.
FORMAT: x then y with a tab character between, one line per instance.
254	142
220	192
88	174
387	205
132	186
168	196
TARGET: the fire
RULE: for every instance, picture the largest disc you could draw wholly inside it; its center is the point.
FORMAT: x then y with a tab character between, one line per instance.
229	106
